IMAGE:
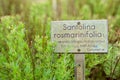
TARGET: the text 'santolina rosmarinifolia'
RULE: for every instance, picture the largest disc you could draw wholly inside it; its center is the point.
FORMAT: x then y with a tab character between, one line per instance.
79	26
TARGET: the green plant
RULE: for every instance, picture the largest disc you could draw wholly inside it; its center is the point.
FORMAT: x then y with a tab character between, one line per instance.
51	65
105	66
15	61
18	61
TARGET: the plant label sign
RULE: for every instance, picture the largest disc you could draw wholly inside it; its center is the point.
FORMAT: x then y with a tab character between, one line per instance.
80	36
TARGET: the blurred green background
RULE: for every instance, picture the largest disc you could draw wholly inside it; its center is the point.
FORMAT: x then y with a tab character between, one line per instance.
26	52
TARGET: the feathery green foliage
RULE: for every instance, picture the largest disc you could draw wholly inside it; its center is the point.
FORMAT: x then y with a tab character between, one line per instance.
26	52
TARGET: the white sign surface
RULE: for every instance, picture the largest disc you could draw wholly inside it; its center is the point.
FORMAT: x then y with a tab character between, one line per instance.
80	36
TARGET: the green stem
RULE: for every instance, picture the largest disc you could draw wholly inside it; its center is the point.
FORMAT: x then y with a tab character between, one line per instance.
118	58
33	63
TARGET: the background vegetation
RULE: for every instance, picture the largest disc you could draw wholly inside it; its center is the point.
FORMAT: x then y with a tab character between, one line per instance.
26	52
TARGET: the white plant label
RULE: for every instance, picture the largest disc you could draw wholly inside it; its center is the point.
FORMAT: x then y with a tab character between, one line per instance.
80	36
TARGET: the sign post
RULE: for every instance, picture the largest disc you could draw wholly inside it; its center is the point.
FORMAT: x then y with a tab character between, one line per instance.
79	66
80	36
